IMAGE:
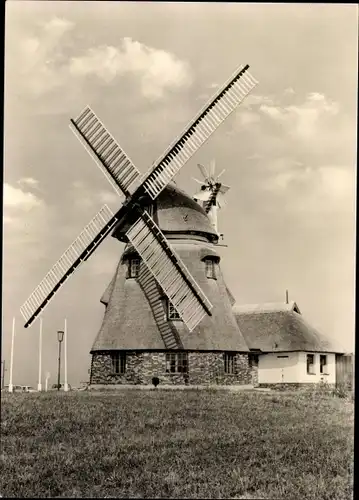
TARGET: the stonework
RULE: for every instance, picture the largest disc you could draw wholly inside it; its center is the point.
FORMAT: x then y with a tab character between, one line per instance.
204	368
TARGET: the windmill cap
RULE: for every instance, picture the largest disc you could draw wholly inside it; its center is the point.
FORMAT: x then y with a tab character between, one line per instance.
178	213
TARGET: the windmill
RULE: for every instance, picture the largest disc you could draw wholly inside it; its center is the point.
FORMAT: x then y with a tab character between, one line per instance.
212	192
140	191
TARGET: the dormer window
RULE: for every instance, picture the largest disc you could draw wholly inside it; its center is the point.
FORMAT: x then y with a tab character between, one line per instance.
133	267
149	209
210	268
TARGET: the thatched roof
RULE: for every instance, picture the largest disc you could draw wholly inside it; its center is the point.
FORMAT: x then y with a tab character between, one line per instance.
275	328
129	322
176	212
267	307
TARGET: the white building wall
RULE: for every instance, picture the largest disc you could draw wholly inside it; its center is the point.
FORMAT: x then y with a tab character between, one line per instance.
273	368
278	370
316	377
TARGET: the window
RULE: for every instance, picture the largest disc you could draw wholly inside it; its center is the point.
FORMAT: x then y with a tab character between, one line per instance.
323	364
176	362
172	313
118	362
133	267
310	364
229	362
149	209
210	268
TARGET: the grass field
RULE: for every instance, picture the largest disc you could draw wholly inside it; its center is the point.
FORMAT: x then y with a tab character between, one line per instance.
176	444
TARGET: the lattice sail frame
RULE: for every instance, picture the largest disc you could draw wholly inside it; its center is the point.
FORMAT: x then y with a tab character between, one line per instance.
122	173
199	129
114	163
147	237
79	251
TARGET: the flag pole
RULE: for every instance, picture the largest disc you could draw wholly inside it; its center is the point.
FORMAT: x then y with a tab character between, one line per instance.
39	388
47	380
11	387
66	385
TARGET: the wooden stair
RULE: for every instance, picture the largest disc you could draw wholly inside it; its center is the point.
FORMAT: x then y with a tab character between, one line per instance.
155	297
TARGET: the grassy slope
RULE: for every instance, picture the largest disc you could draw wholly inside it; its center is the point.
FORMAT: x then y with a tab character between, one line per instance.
176	444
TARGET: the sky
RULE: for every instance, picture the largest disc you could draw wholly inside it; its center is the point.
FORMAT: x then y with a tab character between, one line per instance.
289	152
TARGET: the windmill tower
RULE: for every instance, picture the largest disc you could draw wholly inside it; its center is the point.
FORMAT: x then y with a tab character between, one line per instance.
211	195
167	302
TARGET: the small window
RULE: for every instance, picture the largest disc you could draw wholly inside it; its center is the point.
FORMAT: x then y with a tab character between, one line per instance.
210	268
118	362
149	209
229	362
133	267
323	364
176	362
172	313
310	364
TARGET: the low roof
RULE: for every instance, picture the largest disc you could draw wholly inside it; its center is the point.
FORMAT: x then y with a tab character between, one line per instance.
279	327
267	307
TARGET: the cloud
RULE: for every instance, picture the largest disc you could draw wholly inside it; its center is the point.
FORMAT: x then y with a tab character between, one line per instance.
255	156
42	57
58	26
36	233
90	200
289	91
312	189
51	59
253	101
248	117
303	119
298	145
337	182
311	129
157	70
19	199
27	221
28	181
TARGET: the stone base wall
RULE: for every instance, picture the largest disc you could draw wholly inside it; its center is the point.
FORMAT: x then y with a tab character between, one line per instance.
204	368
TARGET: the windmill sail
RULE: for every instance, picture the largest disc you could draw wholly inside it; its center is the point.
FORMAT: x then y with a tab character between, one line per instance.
183	292
212	168
83	246
212	193
199	130
203	170
106	150
223	189
169	271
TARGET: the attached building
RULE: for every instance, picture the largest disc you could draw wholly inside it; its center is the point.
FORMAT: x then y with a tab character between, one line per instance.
286	348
